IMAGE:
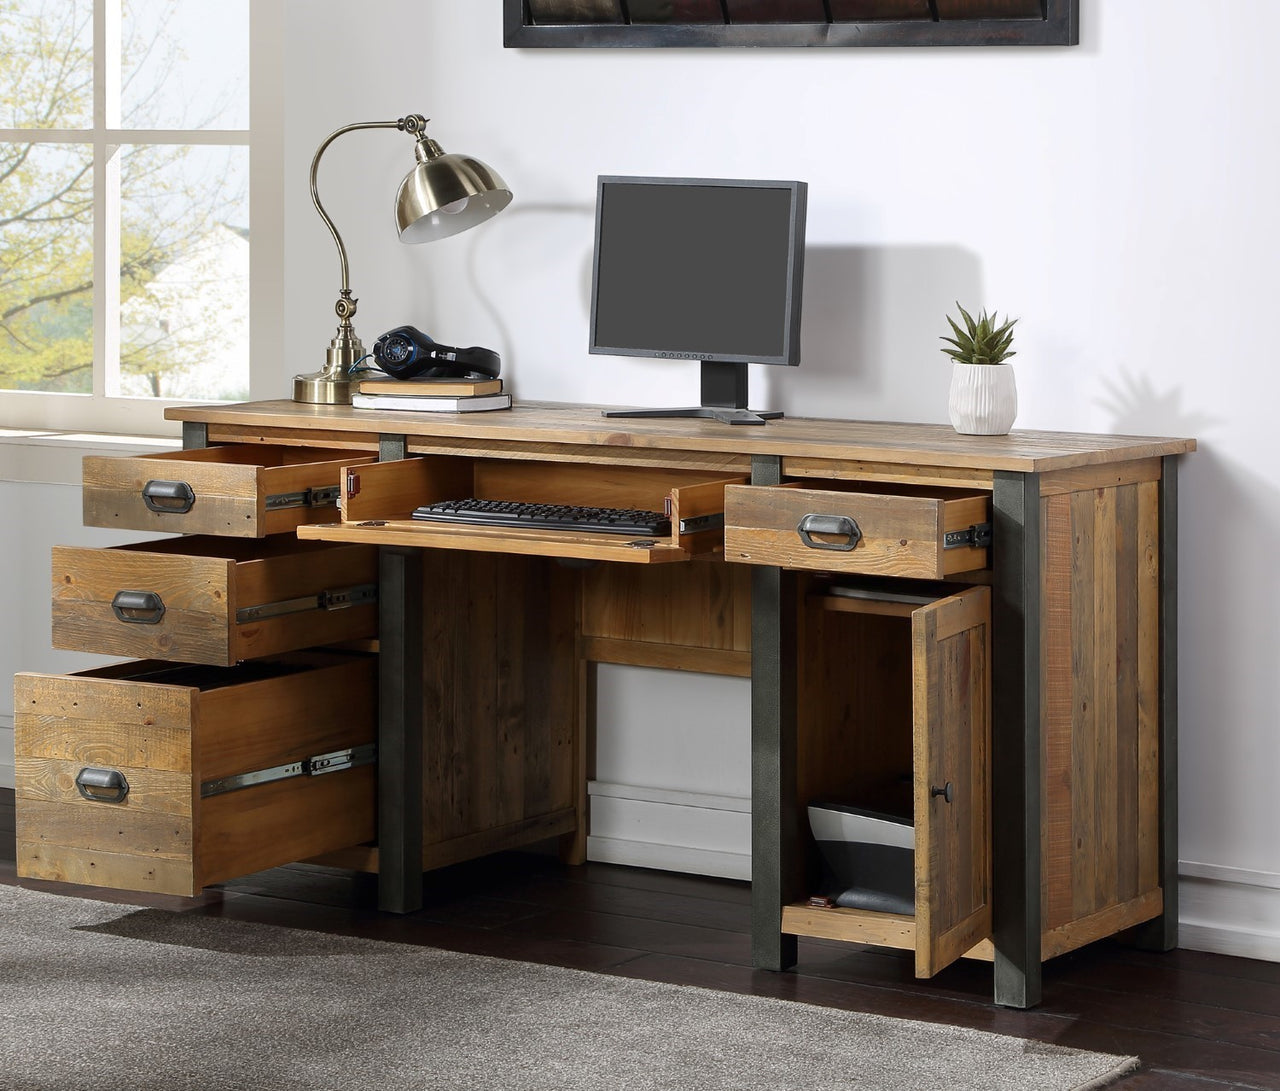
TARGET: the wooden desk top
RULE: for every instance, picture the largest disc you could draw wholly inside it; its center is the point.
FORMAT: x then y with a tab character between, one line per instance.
796	437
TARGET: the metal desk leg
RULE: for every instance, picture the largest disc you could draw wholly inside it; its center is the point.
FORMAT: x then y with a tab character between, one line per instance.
195	435
1161	934
400	629
1015	729
775	852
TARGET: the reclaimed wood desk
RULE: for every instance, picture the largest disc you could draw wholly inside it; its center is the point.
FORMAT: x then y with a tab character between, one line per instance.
1020	705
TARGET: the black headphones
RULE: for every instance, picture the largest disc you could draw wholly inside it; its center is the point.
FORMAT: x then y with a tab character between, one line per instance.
405	353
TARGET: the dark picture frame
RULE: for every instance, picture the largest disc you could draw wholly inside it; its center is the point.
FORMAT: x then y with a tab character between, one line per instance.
647	24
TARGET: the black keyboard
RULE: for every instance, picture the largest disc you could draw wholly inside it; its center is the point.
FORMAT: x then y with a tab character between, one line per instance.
512	513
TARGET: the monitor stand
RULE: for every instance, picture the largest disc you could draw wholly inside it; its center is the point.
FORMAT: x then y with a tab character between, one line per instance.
724	398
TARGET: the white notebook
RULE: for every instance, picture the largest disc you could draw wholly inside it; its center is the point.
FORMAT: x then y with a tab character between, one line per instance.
423	403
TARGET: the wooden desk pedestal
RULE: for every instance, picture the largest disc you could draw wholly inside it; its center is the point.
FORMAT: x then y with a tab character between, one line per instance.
976	631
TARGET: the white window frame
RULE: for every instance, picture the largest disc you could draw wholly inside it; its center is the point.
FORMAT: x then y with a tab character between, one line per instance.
104	411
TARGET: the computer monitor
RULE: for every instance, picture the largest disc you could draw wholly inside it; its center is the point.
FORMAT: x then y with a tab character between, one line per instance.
707	269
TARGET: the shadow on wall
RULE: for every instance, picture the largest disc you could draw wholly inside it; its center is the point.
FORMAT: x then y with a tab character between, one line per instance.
872	319
871	322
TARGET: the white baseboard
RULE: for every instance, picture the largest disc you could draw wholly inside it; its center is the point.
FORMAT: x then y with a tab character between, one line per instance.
670	830
6	752
1229	911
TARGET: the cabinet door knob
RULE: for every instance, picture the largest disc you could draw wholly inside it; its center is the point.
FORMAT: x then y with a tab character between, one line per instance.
945	791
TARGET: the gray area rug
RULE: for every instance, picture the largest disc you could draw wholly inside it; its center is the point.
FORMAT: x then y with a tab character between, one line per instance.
100	996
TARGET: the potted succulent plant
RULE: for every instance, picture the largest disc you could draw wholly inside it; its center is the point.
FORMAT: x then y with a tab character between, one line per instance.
984	398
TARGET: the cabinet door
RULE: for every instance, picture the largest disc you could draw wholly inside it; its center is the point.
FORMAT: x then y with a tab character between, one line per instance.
951	650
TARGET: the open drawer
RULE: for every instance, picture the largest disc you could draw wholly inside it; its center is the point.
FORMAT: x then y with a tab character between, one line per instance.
167	778
247	490
894	717
201	599
862	528
377	503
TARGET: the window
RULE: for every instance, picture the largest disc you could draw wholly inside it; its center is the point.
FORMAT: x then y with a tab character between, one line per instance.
127	163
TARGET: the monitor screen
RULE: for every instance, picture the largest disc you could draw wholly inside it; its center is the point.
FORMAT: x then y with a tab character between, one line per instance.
699	269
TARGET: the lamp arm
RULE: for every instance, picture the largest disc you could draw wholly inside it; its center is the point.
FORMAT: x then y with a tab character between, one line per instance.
315	192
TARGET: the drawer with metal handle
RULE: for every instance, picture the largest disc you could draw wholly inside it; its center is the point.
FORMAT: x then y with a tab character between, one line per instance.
167	778
247	490
863	528
201	599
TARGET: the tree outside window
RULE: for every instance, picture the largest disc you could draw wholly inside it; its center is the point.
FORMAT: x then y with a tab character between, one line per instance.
124	171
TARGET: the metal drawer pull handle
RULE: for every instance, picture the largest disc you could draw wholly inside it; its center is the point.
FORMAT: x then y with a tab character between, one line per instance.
102	785
138	607
945	791
829	524
168	497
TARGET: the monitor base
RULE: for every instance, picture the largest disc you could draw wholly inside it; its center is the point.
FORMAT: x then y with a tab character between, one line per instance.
724	413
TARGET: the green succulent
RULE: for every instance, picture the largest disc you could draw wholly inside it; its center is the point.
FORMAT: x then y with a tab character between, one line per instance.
981	341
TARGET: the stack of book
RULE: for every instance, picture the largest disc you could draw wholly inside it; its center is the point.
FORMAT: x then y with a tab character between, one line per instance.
431	395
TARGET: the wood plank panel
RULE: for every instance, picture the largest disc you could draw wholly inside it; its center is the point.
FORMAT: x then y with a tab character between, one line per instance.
951	651
1105	662
255	828
121	871
1085	741
103	721
1125	816
500	697
391	490
477	539
1057	695
1106	922
229	487
900	534
698	605
147	832
276	721
834	469
1100	590
1100	477
193	623
545	431
155	791
640	653
853	710
863	926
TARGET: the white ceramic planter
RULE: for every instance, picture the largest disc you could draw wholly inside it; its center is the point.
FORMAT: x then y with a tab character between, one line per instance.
984	399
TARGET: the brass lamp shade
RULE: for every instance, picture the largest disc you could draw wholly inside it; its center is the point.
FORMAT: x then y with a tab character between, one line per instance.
446	194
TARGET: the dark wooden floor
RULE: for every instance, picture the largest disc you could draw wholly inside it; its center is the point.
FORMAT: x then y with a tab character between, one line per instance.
1196	1020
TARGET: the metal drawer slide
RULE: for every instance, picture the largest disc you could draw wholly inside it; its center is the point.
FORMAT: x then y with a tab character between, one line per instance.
333	762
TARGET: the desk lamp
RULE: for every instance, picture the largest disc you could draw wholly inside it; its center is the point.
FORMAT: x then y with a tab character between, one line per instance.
441	196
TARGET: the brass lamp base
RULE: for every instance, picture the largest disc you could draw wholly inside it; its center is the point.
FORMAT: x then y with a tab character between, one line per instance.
336	383
323	388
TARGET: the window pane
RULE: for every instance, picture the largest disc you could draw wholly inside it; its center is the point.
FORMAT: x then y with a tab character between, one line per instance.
46	267
184	272
46	64
185	64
